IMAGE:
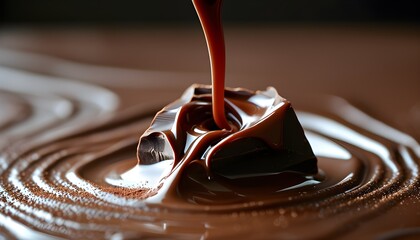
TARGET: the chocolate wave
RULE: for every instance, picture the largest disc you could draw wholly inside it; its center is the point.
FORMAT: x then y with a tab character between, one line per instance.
68	170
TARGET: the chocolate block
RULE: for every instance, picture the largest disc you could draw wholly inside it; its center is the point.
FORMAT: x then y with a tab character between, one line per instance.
266	136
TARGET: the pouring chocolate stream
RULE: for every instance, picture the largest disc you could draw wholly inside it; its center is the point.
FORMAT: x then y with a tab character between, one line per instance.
209	13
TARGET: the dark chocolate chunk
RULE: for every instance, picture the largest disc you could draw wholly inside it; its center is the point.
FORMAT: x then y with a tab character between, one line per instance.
266	136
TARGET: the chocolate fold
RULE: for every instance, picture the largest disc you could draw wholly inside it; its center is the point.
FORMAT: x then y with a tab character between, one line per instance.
266	136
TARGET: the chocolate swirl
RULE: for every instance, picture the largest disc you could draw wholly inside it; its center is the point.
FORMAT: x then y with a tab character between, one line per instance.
68	170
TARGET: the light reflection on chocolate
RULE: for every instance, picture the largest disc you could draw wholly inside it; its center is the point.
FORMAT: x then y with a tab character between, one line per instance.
68	169
265	143
65	181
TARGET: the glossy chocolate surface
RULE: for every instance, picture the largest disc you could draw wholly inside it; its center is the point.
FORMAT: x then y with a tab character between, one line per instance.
68	147
264	143
65	176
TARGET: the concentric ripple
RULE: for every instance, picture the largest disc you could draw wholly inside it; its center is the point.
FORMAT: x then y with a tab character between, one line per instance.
64	145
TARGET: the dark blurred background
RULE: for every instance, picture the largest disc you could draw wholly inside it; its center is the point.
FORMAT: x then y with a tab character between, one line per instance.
97	12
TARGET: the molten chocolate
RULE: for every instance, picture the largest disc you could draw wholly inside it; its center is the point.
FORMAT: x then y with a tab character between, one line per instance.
65	175
232	133
265	138
209	13
68	167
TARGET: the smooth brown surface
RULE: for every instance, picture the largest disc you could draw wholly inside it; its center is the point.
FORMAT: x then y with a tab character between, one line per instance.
375	67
